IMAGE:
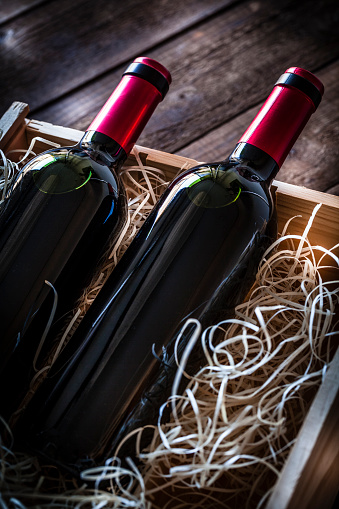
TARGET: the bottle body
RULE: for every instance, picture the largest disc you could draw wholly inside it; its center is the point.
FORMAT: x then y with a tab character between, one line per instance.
65	209
195	256
33	247
55	226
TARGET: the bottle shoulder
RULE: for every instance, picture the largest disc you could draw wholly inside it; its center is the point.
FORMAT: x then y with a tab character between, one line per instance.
221	184
66	169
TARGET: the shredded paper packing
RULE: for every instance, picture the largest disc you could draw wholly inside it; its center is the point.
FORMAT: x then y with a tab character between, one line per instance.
233	428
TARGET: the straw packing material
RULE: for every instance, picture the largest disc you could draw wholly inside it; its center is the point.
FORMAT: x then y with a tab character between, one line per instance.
232	430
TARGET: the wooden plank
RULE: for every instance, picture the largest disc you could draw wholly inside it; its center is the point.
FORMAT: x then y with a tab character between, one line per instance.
313	161
299	203
14	8
65	136
220	69
61	46
12	125
310	476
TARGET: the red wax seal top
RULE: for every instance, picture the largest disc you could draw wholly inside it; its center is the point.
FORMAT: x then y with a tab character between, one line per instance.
285	113
155	65
308	76
127	111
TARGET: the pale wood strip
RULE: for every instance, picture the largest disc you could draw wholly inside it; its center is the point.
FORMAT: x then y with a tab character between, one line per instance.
310	476
12	125
16	8
300	202
65	136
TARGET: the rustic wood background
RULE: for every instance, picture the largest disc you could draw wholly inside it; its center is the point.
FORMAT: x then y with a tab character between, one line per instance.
64	58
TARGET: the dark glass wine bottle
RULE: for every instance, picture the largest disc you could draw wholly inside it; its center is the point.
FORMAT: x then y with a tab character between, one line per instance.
196	256
67	205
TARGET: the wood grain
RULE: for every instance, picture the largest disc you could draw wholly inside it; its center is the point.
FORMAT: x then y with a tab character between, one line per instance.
310	477
220	69
51	51
14	8
12	122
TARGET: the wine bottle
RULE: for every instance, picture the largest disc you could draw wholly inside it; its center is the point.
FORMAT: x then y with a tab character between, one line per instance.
66	207
196	256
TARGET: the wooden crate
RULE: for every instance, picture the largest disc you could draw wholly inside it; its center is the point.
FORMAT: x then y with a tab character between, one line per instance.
310	478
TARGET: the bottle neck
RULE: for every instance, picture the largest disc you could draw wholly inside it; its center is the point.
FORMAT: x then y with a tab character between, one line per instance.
263	166
284	114
104	149
127	111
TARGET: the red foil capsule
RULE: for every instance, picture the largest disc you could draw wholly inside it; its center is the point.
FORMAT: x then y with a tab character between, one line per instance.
145	83
285	113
